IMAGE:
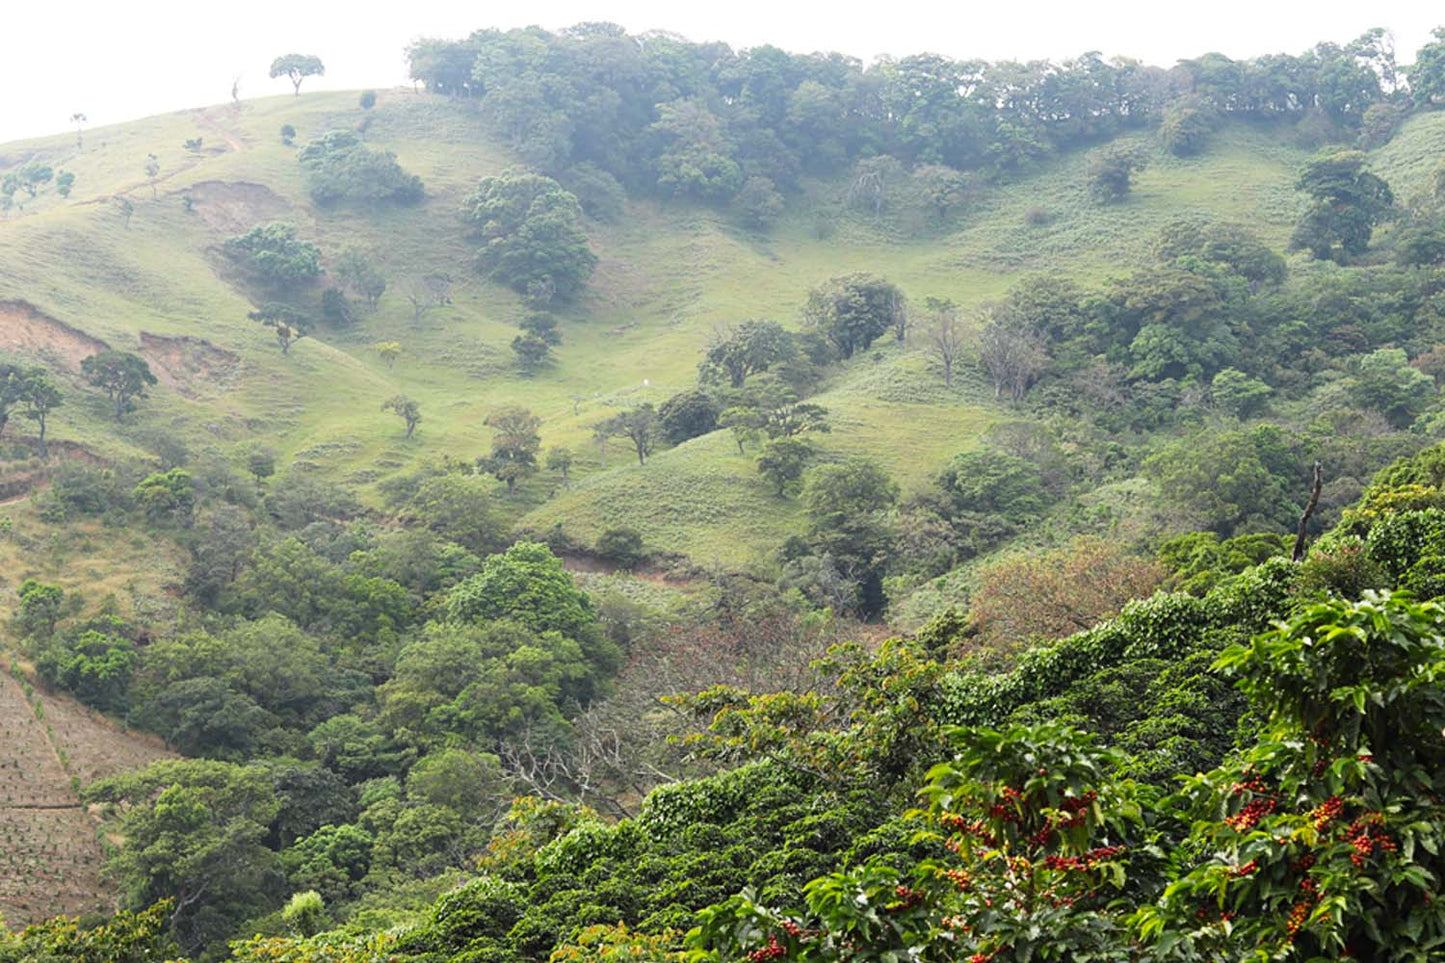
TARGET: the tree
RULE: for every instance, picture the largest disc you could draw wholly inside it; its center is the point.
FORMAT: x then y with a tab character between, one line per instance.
458	508
288	324
783	461
64	183
342	168
356	270
687	414
276	255
1348	202
261	464
79	120
559	459
1385	382
639	425
531	236
1013	356
1238	393
944	335
873	182
305	913
749	348
288	134
195	831
388	351
30	178
40	397
1345	771
758	204
405	409
515	444
1233	481
1186	127
296	68
336	307
1427	76
854	311
123	377
12	390
40	608
1111	174
532	352
942	187
623	546
847	505
122	938
367	99
743	421
1057	593
542	326
153	172
168	496
427	292
993	483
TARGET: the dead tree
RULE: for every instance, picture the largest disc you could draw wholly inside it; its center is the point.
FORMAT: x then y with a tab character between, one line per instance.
1304	520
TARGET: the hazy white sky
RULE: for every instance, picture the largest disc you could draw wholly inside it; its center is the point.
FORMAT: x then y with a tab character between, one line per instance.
117	61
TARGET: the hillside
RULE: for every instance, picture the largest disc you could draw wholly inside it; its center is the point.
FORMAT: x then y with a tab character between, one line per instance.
582	506
75	276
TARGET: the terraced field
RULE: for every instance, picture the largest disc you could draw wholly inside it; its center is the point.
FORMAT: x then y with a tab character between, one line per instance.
50	851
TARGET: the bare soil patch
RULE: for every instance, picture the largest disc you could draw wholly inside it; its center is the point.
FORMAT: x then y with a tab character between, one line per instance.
50	854
30	771
234	207
185	363
94	746
50	863
25	328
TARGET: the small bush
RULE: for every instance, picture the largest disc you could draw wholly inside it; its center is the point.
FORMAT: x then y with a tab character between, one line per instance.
623	546
1038	216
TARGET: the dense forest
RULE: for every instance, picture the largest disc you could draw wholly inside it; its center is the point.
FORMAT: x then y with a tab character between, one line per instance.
1148	666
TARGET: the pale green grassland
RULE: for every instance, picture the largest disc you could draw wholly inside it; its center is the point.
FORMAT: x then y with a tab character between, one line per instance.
668	277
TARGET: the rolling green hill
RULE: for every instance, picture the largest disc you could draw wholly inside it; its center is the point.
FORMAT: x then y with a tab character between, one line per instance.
75	272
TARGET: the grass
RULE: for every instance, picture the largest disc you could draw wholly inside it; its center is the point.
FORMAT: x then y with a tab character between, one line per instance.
668	277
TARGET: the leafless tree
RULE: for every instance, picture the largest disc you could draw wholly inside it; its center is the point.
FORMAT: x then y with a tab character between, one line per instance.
425	293
944	336
1014	357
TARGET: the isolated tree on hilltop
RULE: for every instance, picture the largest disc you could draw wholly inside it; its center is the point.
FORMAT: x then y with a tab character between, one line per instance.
296	68
124	377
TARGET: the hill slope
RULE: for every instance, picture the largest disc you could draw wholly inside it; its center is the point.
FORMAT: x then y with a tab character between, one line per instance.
75	274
